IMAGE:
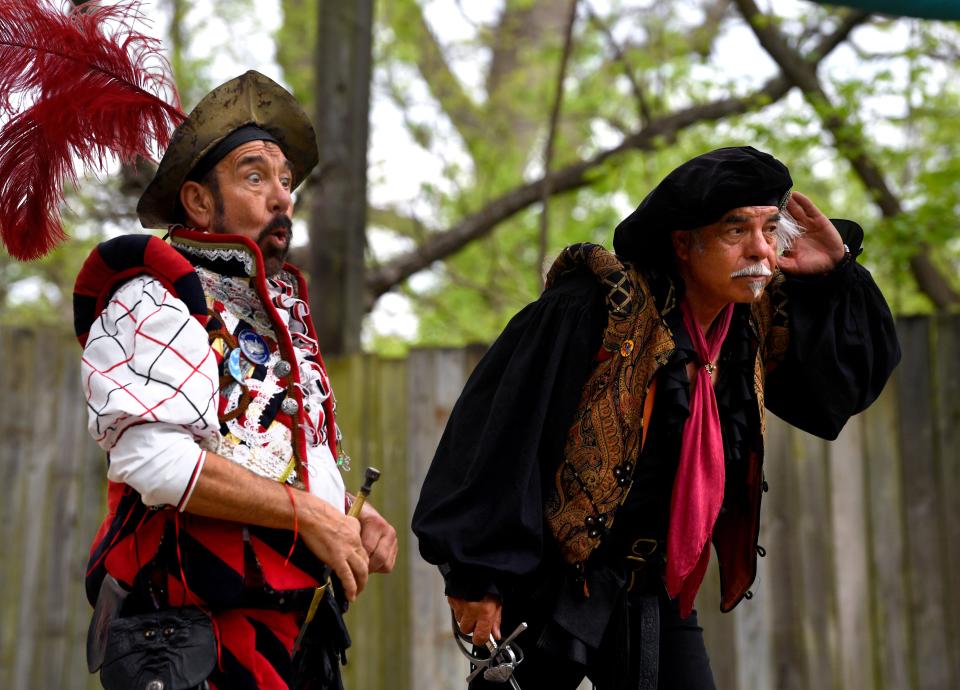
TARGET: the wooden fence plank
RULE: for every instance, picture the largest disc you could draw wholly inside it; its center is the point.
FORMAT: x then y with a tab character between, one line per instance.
363	619
921	483
35	522
814	558
719	629
754	659
14	430
889	602
24	579
57	581
780	589
392	400
435	379
850	556
386	394
946	362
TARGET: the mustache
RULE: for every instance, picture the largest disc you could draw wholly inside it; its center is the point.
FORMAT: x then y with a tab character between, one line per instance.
757	269
279	221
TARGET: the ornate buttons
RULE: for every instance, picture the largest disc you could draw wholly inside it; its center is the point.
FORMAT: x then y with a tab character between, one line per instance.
290	406
623	473
233	365
253	346
281	369
594	524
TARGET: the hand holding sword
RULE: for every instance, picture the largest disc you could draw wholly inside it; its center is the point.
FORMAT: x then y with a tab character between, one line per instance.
371	475
502	661
379	539
479	618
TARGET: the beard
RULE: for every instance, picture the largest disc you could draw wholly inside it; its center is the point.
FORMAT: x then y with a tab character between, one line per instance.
274	256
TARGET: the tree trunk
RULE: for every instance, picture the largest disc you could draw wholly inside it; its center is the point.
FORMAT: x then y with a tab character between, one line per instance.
338	204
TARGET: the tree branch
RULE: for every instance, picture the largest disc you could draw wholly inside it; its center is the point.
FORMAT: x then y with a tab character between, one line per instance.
849	142
524	33
573	176
701	38
396	220
439	78
551	139
638	91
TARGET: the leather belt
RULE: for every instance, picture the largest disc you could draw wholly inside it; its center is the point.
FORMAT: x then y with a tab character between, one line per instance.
291	600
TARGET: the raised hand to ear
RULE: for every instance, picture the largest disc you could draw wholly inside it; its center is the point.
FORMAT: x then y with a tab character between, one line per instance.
819	248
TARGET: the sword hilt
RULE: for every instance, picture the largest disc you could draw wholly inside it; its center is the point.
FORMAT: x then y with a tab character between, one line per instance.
503	660
370	475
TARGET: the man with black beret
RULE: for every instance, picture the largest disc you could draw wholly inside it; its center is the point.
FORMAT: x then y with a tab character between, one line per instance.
205	385
615	428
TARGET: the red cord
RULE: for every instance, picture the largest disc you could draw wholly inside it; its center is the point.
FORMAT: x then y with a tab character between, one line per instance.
188	593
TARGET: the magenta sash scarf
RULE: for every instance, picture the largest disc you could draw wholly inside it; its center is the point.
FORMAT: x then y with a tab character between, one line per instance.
698	487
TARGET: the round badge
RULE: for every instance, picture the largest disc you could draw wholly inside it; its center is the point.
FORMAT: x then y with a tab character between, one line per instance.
254	347
233	365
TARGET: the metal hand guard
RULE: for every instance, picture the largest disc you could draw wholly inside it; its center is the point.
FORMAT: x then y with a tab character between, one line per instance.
504	658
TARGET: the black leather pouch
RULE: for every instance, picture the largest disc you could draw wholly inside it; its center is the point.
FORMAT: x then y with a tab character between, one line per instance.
109	603
171	649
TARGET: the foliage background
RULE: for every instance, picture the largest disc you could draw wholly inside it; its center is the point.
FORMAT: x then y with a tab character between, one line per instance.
460	120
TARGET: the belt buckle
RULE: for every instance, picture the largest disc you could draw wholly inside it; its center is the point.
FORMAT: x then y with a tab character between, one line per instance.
640	553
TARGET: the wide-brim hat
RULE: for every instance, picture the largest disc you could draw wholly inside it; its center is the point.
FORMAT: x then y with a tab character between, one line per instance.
698	193
250	99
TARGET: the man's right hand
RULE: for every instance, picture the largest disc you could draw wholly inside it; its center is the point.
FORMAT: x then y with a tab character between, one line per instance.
334	538
478	617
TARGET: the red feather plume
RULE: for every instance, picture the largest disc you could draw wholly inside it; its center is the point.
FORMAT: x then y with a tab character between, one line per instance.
94	86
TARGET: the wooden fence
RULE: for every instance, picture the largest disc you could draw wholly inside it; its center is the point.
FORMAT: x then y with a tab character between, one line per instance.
859	589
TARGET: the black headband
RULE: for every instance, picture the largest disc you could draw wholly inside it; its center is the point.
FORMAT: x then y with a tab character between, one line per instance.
238	136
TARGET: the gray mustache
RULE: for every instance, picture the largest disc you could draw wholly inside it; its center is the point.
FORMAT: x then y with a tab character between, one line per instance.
757	269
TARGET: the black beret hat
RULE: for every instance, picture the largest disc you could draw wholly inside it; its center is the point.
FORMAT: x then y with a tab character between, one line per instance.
698	193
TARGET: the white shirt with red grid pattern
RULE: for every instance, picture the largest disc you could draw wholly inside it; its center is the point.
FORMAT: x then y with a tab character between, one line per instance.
151	384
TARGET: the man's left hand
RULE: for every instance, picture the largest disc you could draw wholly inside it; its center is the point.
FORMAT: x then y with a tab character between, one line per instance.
379	539
819	249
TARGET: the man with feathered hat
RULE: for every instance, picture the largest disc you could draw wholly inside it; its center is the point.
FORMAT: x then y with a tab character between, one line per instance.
615	428
227	552
205	385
